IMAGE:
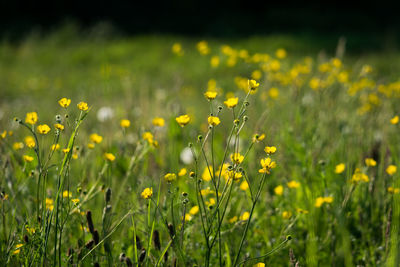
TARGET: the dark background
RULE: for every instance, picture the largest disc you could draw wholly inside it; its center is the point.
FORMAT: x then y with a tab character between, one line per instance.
366	20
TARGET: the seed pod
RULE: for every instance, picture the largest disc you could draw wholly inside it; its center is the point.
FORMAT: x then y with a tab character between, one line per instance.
89	244
96	236
128	262
156	240
166	256
138	243
108	195
90	221
171	229
142	255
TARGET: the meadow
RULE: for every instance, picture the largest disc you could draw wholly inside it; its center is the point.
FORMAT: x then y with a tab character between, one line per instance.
165	150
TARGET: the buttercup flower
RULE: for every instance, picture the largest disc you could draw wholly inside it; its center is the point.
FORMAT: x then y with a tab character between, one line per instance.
95	138
253	84
210	95
125	123
158	122
359	176
43	129
231	102
270	150
28	158
391	169
280	53
30	142
340	168
64	102
286	215
293	184
245	216
169	177
194	210
237	158
183	120
83	106
214	121
182	172
258	137
109	156
278	190
370	162
31	118
18	145
59	126
394	120
267	164
55	147
244	186
147	193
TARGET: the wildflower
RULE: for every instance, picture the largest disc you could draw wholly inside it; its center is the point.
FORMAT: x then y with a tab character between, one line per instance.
83	106
177	49
245	216
286	215
75	200
299	210
28	158
315	83
170	177
31	118
203	48
109	156
17	249
67	194
256	75
258	137
278	190
328	199
3	134
158	122
59	126
233	219
393	190
359	176
65	150
49	204
391	169
267	164
214	61
214	121
237	158
293	184
319	201
182	172
183	120
64	102
340	168
270	150
280	53
75	155
30	142
394	120
259	264
234	175
55	147
90	145
95	138
370	162
253	84
18	145
244	186
194	210
231	102
147	193
273	93
188	217
206	176
43	129
210	95
125	123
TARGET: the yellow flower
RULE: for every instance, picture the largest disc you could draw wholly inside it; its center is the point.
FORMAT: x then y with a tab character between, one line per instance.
43	129
237	158
83	106
148	136
280	53
95	138
59	126
231	102
177	49
319	201
147	193
183	120
258	137
370	162
293	184
391	169
182	172
17	249
188	217
206	176
315	83
244	186
210	95
203	48
299	210
267	164
65	150
194	210
286	215
340	168
30	142
270	150
158	122
109	156
256	75
234	175
75	200
394	120
31	118
214	61
169	177
90	145
214	121
28	158
260	264
18	145
3	134
49	204
64	102
253	84
393	190
55	147
67	194
125	123
245	216
278	190
359	176
74	155
233	219
328	199
273	93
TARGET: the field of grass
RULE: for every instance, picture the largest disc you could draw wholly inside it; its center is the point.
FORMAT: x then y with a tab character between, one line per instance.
301	171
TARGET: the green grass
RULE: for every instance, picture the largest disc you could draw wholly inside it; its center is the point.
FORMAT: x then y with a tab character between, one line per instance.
140	78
